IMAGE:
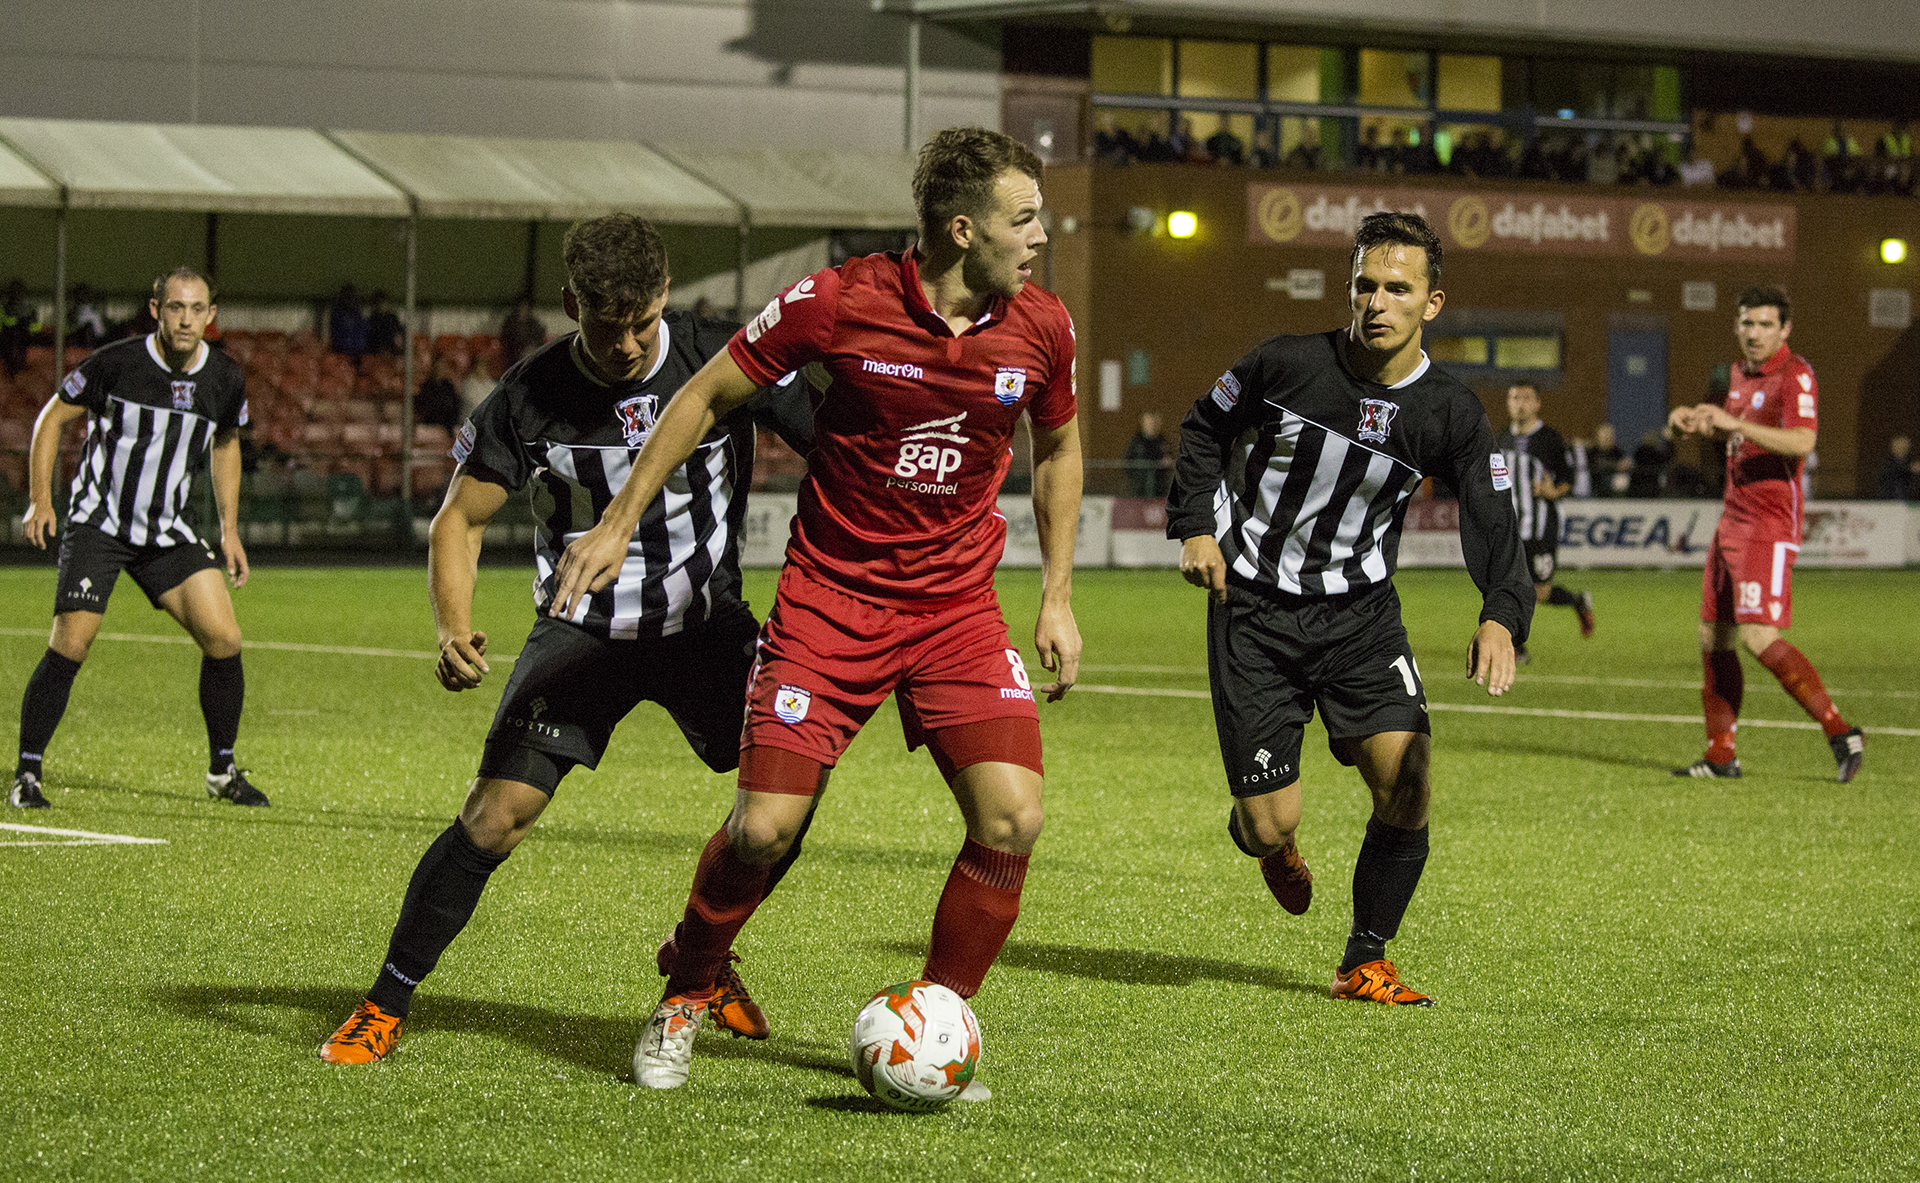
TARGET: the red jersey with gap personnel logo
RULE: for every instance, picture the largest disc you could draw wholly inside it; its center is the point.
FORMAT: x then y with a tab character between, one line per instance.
1763	488
913	425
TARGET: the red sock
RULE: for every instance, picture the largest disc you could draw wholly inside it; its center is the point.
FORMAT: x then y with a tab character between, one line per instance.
1797	676
725	892
976	912
1720	694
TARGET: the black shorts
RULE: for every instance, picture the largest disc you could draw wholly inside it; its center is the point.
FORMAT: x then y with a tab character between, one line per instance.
91	560
569	689
1271	658
1542	559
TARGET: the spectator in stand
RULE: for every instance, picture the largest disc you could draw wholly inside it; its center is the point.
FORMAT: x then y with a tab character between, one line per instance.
477	385
386	336
87	328
438	399
1603	164
1609	466
1648	475
1899	478
1368	154
521	331
1186	146
1148	464
1113	144
1803	171
16	327
1897	147
1840	160
1226	148
347	323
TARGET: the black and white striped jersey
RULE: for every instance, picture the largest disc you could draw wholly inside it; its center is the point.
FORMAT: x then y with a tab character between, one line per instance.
1532	456
1303	472
147	427
552	424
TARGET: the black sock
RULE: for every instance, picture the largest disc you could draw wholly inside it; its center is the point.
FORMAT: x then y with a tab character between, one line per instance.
1384	877
41	707
223	687
441	897
1561	596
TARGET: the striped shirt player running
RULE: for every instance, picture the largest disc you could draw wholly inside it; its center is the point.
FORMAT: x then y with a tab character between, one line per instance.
567	422
1770	421
155	405
1292	484
1541	468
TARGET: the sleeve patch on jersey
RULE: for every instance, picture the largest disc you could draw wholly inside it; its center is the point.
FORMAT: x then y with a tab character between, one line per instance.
245	418
462	443
1806	406
71	388
1502	479
1806	381
769	316
1226	392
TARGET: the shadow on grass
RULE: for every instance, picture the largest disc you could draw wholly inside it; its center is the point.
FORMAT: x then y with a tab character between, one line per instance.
1132	967
1563	751
595	1043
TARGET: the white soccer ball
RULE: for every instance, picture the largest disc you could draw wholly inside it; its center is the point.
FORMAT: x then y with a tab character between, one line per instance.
915	1046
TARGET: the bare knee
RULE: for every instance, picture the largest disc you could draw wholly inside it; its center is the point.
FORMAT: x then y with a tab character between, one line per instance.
73	634
498	814
1014	828
760	837
1267	823
220	645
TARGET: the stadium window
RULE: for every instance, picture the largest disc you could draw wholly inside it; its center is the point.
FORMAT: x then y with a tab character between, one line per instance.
1132	65
1526	353
1219	70
1498	347
1457	351
1469	83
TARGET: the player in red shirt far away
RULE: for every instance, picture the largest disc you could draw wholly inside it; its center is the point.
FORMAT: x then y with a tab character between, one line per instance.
1770	417
921	364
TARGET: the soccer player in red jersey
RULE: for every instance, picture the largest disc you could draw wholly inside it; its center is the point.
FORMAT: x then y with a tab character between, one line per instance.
1770	418
921	365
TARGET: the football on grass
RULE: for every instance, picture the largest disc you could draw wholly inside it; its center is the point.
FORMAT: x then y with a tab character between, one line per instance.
915	1046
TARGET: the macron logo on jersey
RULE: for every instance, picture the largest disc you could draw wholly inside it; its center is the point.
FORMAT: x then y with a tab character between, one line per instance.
800	291
893	369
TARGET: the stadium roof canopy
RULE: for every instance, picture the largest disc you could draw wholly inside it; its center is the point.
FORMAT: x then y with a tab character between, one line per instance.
839	190
22	184
549	180
196	167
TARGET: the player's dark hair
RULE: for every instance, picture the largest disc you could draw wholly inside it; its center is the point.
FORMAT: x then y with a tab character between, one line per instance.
185	274
1760	295
616	265
956	172
1404	229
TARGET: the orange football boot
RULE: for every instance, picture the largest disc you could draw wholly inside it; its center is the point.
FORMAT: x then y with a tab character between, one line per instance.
369	1034
1288	878
1375	981
731	1009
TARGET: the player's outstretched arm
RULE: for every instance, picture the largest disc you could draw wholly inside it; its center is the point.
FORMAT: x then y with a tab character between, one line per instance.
1490	657
593	560
38	519
1056	511
453	558
224	463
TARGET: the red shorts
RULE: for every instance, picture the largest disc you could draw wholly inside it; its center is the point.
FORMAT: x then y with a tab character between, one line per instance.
826	660
1749	578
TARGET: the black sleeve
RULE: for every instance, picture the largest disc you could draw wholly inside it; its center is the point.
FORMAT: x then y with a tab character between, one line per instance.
1551	449
87	385
786	409
1206	436
1489	532
489	440
233	408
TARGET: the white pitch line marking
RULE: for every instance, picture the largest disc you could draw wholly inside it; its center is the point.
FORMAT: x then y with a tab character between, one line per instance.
1475	708
283	646
1200	671
77	837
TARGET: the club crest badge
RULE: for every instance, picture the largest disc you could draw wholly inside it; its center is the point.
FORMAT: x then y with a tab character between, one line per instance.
1008	386
183	396
790	703
1376	419
637	418
1759	396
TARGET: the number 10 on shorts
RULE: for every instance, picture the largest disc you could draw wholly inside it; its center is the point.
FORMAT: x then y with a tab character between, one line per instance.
1409	671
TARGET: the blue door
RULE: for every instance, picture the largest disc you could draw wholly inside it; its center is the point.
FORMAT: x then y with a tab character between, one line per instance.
1636	383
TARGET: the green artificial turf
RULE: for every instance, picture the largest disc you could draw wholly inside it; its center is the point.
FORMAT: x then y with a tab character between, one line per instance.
1638	977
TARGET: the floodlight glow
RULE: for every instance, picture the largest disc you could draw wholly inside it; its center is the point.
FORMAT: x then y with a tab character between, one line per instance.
1893	250
1181	224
